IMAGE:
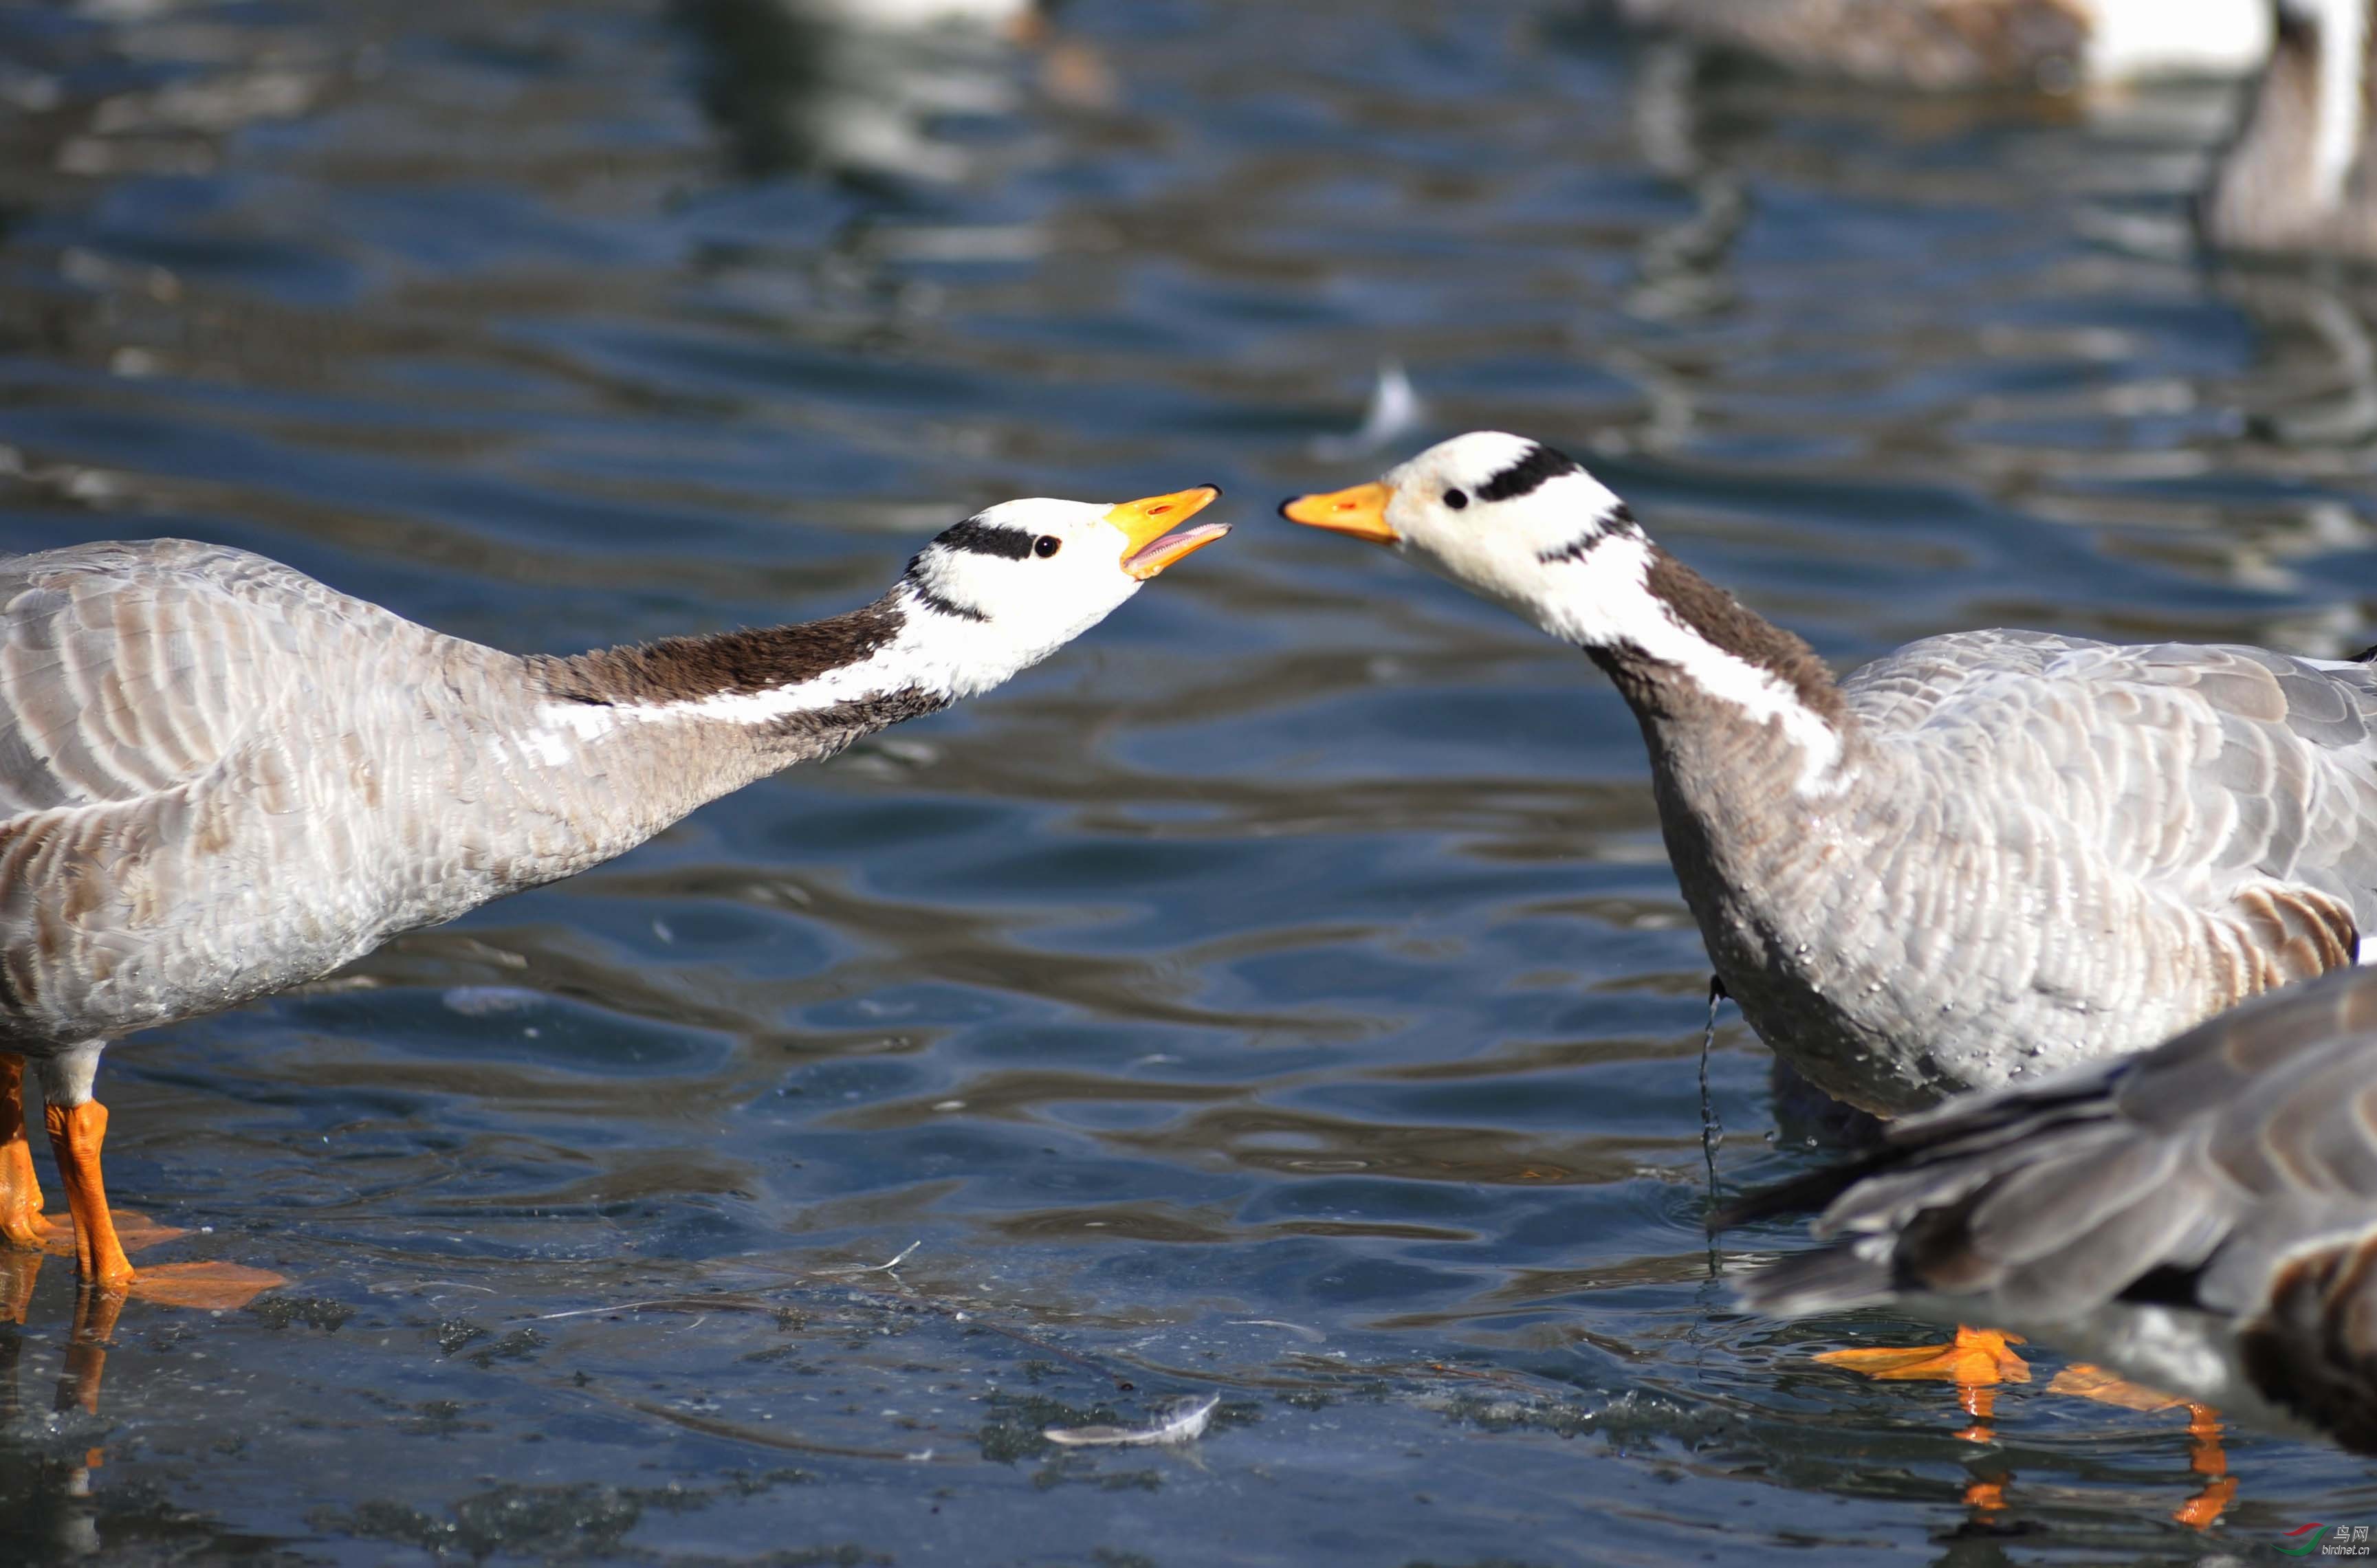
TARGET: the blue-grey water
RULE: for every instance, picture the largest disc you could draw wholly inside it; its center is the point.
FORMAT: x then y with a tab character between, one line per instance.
1279	996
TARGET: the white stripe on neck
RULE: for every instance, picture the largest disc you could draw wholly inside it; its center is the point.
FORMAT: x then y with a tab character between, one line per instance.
933	652
2161	38
2343	108
1605	598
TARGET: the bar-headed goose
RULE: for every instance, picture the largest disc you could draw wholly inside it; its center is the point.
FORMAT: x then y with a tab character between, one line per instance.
218	778
2201	1217
1983	857
1973	43
2300	176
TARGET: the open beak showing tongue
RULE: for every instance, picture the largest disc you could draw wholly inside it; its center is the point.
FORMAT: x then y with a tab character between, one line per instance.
1153	528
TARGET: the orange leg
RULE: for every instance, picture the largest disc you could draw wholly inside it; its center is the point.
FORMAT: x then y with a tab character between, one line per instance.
1986	1495
76	1134
95	1314
2204	1454
21	1224
17	1273
2208	1459
1978	1400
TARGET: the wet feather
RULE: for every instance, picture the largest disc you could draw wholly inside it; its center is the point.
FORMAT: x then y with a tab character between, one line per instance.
1185	1425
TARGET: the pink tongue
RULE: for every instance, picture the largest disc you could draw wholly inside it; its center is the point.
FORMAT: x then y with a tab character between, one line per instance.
1155	547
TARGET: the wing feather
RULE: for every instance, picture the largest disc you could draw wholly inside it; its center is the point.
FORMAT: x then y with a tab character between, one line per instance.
2219	778
127	670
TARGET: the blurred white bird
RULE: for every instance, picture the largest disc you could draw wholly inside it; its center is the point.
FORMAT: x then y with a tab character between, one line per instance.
1969	44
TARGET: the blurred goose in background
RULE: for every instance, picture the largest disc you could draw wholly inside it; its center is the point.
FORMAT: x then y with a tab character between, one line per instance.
2201	1217
1013	17
220	777
1985	857
1937	44
808	87
2298	176
868	90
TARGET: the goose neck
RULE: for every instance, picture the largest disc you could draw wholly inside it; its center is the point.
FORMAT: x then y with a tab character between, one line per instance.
1703	671
780	694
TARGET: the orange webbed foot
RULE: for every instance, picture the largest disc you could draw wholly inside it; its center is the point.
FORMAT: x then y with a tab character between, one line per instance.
211	1286
2086	1382
1977	1360
135	1232
26	1230
1977	1356
214	1286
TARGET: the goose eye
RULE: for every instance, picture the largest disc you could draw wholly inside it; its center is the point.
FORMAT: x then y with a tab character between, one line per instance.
1457	499
1047	544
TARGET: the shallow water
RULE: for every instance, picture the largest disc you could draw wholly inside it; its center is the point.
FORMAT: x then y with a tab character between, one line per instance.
1281	995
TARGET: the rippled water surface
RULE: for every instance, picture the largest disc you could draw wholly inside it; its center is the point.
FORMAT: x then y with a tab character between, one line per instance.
1279	996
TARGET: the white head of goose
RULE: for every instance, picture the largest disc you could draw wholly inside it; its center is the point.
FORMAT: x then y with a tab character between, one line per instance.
220	777
1984	855
2201	1217
2299	176
982	601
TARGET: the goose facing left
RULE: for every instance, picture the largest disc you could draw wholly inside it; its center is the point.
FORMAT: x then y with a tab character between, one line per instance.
220	777
1980	858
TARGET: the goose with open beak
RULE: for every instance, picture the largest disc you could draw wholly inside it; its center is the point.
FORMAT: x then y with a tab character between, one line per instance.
220	777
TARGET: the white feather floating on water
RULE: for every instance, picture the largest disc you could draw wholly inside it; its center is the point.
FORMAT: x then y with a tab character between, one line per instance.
1186	1425
876	1267
1395	411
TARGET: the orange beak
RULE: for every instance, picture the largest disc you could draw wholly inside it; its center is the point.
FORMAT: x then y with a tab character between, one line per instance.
1152	527
1361	511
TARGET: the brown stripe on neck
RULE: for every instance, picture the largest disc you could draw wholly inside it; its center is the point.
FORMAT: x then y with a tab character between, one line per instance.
724	664
1726	623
